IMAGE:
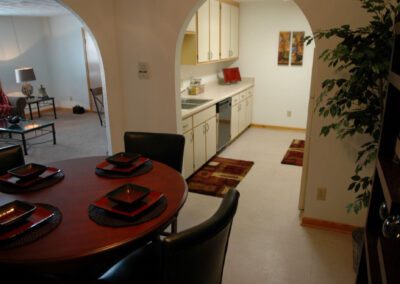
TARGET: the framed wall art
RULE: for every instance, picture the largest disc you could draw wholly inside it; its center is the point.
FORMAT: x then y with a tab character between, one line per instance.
297	48
284	48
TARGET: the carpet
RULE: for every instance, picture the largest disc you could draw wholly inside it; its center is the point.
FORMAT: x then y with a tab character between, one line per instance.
218	175
294	155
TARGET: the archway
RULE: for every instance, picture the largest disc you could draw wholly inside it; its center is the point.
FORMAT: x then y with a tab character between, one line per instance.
282	92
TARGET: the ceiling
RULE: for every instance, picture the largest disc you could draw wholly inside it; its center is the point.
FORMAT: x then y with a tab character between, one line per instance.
40	8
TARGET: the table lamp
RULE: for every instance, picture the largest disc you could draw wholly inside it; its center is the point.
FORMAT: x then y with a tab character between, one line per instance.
24	75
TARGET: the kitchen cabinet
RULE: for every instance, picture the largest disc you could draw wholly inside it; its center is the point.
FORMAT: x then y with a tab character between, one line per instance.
191	28
242	112
248	106
205	136
203	46
242	116
208	31
216	35
188	161
235	117
229	31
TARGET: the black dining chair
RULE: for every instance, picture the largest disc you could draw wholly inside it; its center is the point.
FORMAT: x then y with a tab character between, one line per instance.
166	148
11	156
195	256
97	95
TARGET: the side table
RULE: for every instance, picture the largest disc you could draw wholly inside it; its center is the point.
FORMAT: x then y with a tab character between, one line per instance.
37	102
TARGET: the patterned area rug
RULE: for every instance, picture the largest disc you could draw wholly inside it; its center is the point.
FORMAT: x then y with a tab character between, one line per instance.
218	176
294	155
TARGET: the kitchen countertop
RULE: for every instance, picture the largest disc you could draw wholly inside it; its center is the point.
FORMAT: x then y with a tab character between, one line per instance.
216	93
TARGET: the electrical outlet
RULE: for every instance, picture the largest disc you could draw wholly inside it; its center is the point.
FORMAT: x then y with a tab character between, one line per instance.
289	113
70	98
321	193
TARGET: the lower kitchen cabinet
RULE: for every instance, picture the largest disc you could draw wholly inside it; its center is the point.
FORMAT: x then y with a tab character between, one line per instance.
188	161
235	117
242	121
200	131
242	112
205	142
249	109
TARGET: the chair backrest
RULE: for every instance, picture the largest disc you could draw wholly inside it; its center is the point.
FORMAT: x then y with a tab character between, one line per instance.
11	157
197	255
97	91
166	148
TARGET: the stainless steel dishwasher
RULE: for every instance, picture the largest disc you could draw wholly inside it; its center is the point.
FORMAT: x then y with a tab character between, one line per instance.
223	123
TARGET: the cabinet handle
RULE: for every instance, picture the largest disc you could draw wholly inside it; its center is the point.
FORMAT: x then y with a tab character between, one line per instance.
391	227
204	129
211	55
191	137
207	127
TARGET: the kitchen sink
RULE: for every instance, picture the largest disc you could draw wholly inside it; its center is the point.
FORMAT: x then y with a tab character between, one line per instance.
192	103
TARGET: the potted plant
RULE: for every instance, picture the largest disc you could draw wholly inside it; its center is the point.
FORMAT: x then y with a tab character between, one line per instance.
355	97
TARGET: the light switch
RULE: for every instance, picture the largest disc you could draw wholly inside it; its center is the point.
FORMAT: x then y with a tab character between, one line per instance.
143	70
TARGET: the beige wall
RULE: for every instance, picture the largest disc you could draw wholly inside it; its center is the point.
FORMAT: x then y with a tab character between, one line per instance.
330	161
129	32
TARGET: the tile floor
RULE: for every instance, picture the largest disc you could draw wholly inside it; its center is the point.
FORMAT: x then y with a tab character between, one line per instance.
267	244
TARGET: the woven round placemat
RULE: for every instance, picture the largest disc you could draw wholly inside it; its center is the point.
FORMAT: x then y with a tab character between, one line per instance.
105	218
9	188
37	232
143	169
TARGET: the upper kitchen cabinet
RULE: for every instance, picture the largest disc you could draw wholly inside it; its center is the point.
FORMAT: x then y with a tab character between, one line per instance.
191	28
229	30
205	44
208	31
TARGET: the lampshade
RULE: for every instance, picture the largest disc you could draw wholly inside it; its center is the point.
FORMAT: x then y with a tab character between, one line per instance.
24	75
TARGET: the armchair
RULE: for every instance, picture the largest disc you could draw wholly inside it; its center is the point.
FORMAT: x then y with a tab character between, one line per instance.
18	102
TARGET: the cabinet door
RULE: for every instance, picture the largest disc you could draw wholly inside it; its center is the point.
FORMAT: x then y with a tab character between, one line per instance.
234	32
199	153
214	30
191	28
225	30
211	137
249	110
242	115
235	121
203	40
188	165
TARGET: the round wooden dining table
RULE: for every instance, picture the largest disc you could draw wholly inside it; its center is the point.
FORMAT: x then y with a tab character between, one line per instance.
79	241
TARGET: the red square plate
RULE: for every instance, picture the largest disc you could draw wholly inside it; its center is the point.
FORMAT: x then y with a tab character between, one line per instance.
27	171
10	179
127	210
128	193
15	211
38	216
123	159
106	166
